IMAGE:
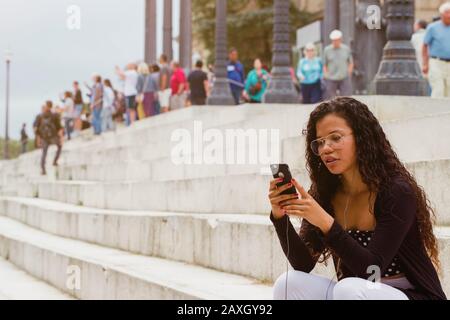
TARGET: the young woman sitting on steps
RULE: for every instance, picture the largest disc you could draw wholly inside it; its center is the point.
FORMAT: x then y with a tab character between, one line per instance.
363	209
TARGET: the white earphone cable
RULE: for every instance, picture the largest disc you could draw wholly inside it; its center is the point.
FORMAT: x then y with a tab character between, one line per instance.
345	228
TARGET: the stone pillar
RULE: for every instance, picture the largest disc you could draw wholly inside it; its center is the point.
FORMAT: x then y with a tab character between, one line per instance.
221	92
150	31
167	30
331	19
186	34
399	72
281	87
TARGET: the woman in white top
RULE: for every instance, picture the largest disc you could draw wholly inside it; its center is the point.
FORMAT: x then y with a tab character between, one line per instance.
68	113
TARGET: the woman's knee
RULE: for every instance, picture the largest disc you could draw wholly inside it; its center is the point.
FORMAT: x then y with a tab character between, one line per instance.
349	289
279	288
295	283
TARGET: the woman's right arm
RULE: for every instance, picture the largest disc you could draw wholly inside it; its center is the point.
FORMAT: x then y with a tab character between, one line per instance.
120	73
293	246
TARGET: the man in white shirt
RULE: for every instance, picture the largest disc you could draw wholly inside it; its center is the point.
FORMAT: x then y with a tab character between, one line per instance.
130	78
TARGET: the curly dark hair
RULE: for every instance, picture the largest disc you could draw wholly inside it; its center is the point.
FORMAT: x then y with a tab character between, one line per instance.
378	165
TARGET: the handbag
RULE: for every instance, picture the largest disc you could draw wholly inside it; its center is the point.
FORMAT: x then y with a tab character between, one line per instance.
255	88
141	111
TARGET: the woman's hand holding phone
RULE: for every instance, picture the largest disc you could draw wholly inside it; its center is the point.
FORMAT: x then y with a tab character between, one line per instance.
277	199
307	207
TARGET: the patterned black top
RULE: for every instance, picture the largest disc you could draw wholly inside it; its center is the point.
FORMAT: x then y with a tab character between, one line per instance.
363	238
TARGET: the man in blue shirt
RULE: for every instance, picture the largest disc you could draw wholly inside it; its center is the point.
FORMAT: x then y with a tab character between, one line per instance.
235	75
436	53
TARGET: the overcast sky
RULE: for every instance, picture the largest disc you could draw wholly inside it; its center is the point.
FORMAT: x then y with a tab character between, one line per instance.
47	55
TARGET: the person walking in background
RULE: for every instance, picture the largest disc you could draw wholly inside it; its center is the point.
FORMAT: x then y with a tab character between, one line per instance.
164	87
436	53
417	40
178	87
50	132
236	75
147	88
97	105
338	67
198	85
130	78
309	72
68	113
108	107
24	138
155	74
256	83
78	101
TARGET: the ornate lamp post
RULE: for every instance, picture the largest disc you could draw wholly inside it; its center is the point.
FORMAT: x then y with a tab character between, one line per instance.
399	72
221	92
281	88
8	56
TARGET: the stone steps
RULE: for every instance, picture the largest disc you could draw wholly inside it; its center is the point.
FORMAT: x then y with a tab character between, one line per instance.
232	244
143	163
107	273
292	118
216	194
240	244
16	284
154	130
140	227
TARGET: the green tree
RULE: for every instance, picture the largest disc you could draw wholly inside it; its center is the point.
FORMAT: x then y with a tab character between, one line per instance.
15	147
250	27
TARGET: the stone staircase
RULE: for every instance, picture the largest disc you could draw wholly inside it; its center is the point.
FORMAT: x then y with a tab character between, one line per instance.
137	226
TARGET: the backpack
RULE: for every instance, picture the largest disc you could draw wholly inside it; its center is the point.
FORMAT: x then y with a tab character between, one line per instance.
47	128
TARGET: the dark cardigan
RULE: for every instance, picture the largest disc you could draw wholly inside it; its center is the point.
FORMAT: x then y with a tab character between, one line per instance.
396	234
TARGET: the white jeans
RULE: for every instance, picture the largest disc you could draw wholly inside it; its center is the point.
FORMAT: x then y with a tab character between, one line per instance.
178	101
306	286
439	78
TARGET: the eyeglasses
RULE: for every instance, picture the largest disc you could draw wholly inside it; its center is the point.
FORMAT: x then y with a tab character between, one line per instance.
334	140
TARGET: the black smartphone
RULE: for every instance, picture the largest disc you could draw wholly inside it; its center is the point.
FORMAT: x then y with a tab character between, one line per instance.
282	171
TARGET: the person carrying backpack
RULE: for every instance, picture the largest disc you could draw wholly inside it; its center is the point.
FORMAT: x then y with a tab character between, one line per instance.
50	131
